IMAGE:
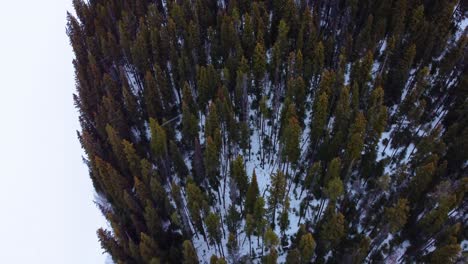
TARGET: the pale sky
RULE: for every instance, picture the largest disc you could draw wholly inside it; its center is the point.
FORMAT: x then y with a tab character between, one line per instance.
47	214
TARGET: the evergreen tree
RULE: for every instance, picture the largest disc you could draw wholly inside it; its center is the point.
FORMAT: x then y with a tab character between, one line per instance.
190	255
397	215
277	193
307	247
189	125
317	126
212	162
291	139
197	205
213	229
252	194
332	230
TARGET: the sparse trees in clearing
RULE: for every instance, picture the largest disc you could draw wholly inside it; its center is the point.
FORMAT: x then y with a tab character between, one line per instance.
290	139
334	189
158	140
233	248
355	142
271	241
293	257
284	217
233	219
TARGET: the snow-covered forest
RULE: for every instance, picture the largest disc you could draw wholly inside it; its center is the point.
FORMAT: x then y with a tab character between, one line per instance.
283	131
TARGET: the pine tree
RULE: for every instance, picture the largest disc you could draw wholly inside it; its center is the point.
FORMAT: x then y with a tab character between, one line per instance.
197	205
215	260
277	193
259	216
332	229
293	257
317	126
318	60
213	229
307	247
333	170
355	141
252	194
148	248
248	38
312	176
377	116
334	189
117	146
398	74
397	215
233	219
178	160
189	125
190	255
132	157
249	229
153	103
421	180
198	170
239	175
259	67
272	257
158	139
291	139
212	121
212	162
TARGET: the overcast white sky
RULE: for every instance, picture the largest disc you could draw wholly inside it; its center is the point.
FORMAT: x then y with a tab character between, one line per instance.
46	209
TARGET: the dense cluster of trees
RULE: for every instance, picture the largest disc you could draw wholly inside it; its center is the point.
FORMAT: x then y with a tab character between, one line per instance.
298	131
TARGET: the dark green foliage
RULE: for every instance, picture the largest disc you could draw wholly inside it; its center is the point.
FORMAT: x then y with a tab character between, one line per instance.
190	255
349	110
397	215
240	176
252	194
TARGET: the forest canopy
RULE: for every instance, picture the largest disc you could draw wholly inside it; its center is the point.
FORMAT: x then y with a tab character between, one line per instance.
279	131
